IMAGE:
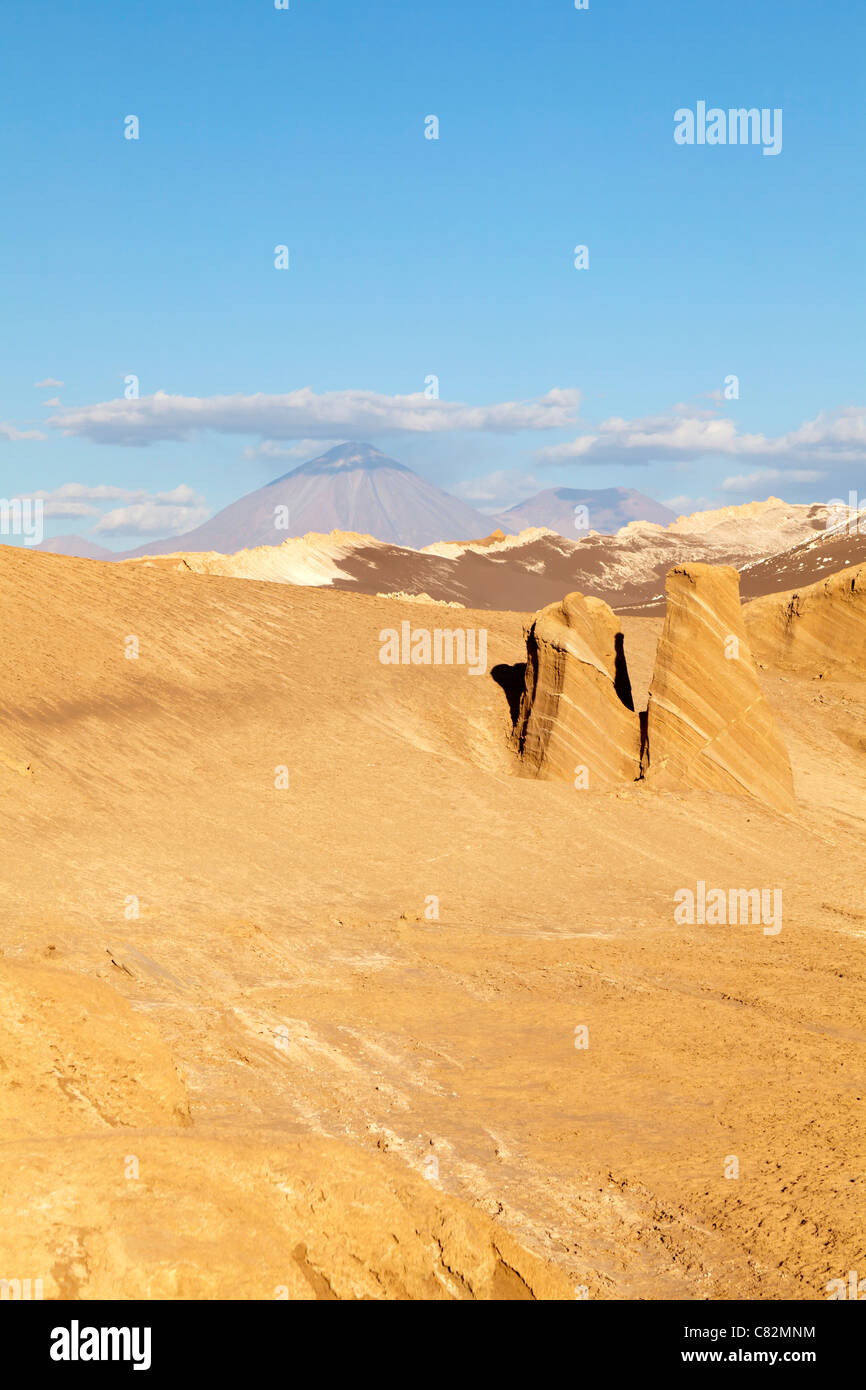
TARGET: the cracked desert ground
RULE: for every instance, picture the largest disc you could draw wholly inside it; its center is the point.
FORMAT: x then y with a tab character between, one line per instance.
241	1092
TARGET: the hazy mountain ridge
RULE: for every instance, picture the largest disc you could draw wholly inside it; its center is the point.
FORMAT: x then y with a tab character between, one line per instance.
352	487
79	547
356	487
535	568
607	509
355	518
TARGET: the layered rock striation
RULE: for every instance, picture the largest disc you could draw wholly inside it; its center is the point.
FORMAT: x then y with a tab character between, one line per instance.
818	630
576	719
708	724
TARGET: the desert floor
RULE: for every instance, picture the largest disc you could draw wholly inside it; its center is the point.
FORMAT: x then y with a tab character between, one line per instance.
284	1041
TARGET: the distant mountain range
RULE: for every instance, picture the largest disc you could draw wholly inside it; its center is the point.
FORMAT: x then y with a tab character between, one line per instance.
78	546
352	487
527	571
355	487
573	511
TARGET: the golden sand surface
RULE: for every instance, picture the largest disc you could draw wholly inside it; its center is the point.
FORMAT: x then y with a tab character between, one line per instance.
307	990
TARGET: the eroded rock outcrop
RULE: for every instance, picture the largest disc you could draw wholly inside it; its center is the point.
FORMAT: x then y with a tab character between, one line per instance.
818	630
576	718
74	1056
110	1191
708	723
227	1217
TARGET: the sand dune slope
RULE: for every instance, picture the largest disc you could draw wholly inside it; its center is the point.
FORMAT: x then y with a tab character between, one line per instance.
372	982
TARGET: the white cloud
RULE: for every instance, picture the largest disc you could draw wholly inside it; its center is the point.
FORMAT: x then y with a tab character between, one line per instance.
303	449
747	482
667	438
182	496
83	493
150	519
567	396
48	381
54	401
10	432
104	492
147	514
306	414
499	489
684	506
61	508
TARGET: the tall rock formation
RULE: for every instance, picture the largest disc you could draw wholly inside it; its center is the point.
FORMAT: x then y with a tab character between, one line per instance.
576	720
708	723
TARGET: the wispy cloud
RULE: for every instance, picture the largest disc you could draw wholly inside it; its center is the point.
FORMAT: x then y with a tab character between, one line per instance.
147	514
499	489
684	505
829	438
303	449
150	519
763	477
48	381
9	432
304	414
107	492
58	507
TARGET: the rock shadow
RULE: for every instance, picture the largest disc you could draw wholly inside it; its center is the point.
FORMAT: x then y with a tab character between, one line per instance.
512	680
621	680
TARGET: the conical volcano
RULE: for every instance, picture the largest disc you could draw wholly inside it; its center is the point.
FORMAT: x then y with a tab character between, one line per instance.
352	487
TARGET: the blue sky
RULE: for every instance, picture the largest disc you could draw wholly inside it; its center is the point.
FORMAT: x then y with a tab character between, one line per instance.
412	257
